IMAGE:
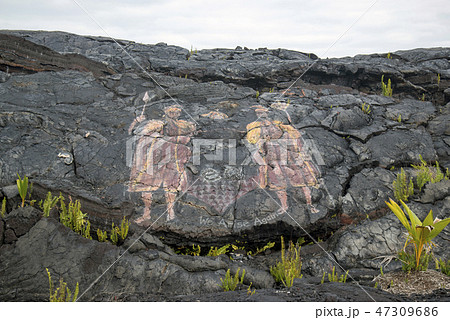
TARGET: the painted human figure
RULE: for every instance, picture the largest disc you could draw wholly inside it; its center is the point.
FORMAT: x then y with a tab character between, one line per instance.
161	153
281	158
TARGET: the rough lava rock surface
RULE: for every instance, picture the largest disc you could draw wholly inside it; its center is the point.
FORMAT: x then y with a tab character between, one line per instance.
84	116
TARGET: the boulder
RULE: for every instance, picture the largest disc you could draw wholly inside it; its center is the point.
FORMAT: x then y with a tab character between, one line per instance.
207	148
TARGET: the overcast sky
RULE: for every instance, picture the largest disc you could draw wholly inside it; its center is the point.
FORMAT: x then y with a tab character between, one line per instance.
309	26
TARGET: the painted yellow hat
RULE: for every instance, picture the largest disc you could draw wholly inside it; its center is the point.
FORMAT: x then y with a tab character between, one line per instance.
172	108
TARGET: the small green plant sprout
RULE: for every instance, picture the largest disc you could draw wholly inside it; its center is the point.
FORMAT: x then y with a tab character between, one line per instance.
402	189
376	285
381	271
124	226
257	94
102	236
334	276
214	251
426	173
250	292
261	250
420	233
271	90
386	89
114	234
301	240
366	108
22	186
289	101
323	278
389	56
230	283
62	293
3	211
290	266
48	204
423	97
443	266
438	78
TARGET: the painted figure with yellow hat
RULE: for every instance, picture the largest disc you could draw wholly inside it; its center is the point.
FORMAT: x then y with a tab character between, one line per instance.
281	158
161	153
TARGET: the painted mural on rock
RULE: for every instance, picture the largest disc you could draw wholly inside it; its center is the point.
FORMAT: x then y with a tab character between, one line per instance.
277	159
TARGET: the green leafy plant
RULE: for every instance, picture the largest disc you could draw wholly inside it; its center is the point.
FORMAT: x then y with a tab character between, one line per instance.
62	293
102	236
423	97
3	211
334	276
399	118
290	266
22	185
257	94
426	173
214	251
366	108
261	250
443	266
438	78
230	283
389	56
420	233
386	89
402	188
48	204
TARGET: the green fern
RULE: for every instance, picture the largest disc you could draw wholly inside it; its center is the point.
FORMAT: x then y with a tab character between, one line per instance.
3	211
386	89
73	218
426	173
62	293
214	251
124	226
402	189
289	268
114	234
230	283
48	204
102	236
260	250
443	266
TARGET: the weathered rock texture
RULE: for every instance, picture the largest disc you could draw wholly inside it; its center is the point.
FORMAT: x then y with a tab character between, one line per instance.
84	116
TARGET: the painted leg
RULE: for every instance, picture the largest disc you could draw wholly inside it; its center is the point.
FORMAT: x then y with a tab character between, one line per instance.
147	198
170	199
307	193
282	195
